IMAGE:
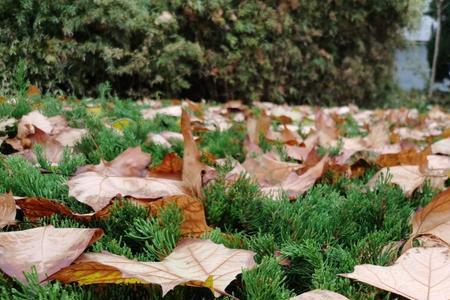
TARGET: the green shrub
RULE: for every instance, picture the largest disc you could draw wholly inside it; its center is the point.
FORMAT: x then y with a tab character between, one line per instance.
317	51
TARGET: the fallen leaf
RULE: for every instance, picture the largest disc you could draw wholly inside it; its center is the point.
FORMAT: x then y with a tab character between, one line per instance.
97	190
326	129
319	295
130	163
33	91
47	248
194	221
7	210
268	169
201	262
406	157
193	168
433	219
295	185
441	147
174	111
419	274
36	208
171	167
29	122
408	178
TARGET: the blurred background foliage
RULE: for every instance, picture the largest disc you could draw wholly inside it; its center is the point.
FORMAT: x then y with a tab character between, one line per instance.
316	52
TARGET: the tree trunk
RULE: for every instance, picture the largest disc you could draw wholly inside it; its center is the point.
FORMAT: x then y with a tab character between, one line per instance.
437	41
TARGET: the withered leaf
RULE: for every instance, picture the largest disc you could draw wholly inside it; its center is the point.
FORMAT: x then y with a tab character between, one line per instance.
196	262
433	219
7	210
47	248
194	221
419	274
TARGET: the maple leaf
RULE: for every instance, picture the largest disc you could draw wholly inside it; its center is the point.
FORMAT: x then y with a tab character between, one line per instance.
7	210
433	219
48	249
419	274
194	262
319	295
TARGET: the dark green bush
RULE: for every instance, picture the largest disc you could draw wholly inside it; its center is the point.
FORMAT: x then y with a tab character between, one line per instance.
284	50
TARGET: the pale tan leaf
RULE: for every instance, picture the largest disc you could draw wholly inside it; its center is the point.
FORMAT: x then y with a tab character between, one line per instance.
97	190
193	168
419	274
295	185
7	210
441	147
47	248
130	163
33	120
150	113
268	169
193	261
408	178
319	295
433	219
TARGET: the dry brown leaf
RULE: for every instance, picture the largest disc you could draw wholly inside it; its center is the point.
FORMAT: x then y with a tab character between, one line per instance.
97	190
194	221
319	295
405	157
295	185
171	167
326	129
419	274
268	169
35	208
199	262
47	248
408	178
130	163
257	127
193	168
28	123
433	219
173	110
7	210
441	147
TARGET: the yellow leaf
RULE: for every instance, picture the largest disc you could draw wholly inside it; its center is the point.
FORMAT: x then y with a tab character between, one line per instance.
95	110
121	124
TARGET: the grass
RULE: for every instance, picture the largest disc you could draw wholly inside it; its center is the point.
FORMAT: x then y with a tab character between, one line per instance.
325	232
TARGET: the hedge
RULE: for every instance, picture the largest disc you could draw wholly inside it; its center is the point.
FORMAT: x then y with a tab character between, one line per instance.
323	52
